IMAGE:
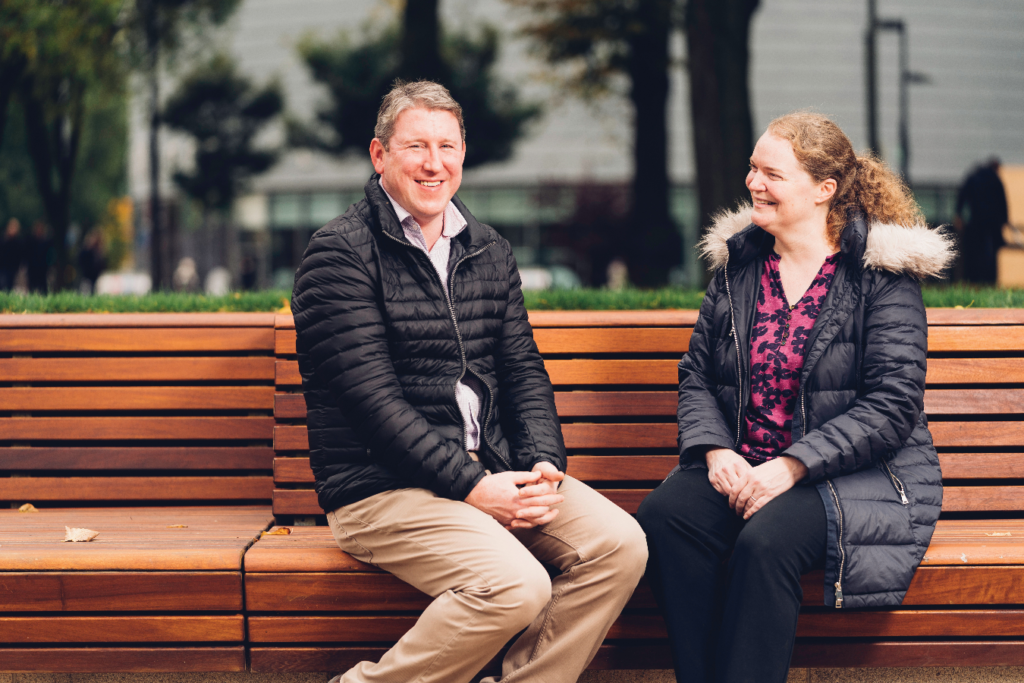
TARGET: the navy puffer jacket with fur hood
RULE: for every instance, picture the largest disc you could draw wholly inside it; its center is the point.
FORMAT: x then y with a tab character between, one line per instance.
859	424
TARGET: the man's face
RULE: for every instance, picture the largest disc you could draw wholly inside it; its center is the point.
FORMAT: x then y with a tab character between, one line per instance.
422	167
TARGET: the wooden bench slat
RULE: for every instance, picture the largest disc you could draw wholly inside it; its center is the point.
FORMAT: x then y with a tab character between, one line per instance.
123	659
148	340
140	458
136	488
583	342
889	624
938	402
977	434
136	428
908	654
284	342
587	372
973	338
128	370
380	591
53	399
982	465
131	320
955	499
120	591
122	629
975	371
289	406
296	470
583	467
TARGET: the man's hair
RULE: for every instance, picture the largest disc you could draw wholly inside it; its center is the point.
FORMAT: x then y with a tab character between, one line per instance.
410	95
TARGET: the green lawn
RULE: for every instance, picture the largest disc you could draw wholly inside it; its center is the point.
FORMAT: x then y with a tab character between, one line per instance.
946	296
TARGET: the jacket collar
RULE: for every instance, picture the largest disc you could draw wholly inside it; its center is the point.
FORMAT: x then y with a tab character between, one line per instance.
474	237
916	250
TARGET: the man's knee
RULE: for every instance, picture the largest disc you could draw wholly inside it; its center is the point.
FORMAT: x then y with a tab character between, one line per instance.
621	545
522	596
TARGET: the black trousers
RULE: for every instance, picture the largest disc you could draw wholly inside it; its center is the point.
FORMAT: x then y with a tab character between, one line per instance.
729	589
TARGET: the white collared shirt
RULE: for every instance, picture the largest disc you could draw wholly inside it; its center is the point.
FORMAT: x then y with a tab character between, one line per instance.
466	393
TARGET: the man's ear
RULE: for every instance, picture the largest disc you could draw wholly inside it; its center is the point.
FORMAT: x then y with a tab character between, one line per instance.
377	153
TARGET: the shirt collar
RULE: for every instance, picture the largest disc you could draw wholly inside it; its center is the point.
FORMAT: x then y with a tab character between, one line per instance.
454	221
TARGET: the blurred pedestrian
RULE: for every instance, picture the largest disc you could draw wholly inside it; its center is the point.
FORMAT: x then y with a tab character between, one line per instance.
981	213
12	252
186	278
91	260
37	257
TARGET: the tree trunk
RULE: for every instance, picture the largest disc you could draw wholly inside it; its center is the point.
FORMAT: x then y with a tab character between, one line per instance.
11	73
718	34
158	273
421	42
654	245
53	145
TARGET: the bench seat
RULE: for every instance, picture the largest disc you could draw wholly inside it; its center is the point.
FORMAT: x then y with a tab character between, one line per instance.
311	607
154	430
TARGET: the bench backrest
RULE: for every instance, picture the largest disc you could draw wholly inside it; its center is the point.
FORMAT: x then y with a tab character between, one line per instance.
127	408
615	377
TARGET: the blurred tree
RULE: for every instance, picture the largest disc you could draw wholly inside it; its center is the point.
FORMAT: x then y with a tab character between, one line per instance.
160	27
357	77
223	112
65	63
600	41
718	39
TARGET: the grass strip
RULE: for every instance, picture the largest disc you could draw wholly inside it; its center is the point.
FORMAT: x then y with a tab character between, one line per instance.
935	296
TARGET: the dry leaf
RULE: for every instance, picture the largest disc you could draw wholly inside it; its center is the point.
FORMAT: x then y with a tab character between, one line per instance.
178	526
79	535
279	531
28	507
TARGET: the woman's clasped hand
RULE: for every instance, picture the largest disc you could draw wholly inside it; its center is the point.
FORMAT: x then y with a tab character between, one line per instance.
750	488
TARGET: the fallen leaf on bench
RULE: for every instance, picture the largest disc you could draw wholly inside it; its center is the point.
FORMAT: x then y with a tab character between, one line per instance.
28	507
178	526
1000	533
79	535
279	531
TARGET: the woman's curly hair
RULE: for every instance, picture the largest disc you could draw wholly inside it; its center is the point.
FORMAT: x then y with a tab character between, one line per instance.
862	182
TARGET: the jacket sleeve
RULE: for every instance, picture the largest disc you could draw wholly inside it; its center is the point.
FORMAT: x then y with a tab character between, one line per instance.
526	398
891	395
701	422
342	333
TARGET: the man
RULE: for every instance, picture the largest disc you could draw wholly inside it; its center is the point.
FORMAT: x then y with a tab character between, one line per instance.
981	213
433	434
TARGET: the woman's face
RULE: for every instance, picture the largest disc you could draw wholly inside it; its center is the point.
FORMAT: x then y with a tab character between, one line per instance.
782	192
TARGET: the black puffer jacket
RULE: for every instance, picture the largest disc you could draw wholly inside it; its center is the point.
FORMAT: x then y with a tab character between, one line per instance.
859	424
381	349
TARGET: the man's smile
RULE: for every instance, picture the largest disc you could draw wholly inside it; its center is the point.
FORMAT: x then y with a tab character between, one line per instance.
429	183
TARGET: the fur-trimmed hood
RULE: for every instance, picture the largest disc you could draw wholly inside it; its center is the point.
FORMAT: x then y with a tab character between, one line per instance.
918	251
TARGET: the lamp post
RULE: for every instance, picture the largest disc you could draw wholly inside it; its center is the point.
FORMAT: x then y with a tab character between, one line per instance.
906	79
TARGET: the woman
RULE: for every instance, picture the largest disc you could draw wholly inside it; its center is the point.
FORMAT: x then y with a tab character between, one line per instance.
802	437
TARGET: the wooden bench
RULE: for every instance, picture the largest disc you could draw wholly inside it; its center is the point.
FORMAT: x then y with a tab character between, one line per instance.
155	431
312	608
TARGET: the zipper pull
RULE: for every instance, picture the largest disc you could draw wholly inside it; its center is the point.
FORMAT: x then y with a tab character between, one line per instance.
839	595
903	498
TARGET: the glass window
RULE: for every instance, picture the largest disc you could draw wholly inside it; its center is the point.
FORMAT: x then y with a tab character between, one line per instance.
287	211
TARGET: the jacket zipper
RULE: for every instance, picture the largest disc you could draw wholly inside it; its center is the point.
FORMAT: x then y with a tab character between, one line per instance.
465	364
842	553
896	483
739	364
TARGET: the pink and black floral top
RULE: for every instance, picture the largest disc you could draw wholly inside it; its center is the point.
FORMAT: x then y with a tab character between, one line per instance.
778	344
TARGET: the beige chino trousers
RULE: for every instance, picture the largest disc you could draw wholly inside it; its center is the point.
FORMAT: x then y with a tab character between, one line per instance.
488	583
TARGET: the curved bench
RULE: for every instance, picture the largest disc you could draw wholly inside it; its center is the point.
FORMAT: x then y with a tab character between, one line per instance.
313	608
